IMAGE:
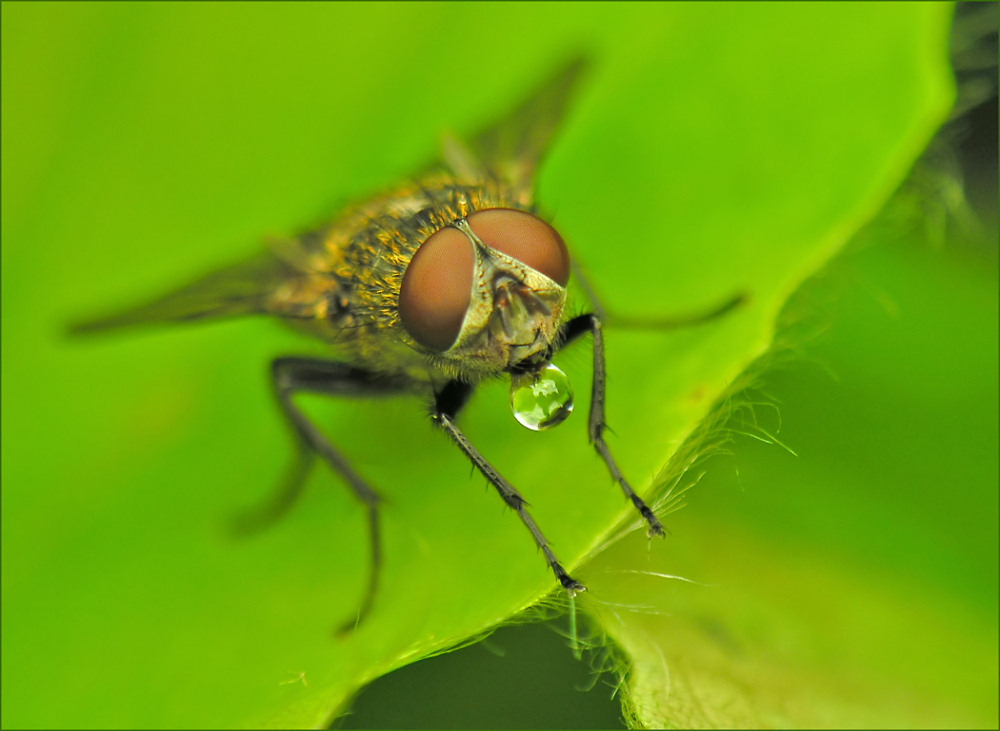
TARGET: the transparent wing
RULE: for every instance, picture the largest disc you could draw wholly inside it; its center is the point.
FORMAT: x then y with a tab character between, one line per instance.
262	284
511	148
278	281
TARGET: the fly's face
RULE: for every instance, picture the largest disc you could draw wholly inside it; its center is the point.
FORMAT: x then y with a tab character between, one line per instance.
488	292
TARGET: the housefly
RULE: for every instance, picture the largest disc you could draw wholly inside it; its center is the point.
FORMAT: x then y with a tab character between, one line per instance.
429	288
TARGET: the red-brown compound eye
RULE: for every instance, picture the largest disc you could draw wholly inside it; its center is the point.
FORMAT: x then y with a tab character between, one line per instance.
437	288
524	237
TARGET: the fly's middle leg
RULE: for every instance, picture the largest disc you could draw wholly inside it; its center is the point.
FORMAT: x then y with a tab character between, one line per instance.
447	403
311	375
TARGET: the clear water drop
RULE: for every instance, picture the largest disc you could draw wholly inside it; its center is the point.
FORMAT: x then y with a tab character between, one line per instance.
541	400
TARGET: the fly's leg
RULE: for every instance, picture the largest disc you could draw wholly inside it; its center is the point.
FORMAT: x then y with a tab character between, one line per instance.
269	513
294	375
595	426
447	403
592	323
668	322
317	376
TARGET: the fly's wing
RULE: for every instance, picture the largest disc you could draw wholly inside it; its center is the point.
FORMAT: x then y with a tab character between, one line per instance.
264	284
279	281
511	148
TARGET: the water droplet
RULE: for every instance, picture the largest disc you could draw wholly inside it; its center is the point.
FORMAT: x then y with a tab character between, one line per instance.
541	400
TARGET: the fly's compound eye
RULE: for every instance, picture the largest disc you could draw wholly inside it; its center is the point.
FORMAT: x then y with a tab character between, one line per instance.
437	287
526	238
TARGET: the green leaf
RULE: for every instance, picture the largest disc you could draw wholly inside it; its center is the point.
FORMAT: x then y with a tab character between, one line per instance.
716	150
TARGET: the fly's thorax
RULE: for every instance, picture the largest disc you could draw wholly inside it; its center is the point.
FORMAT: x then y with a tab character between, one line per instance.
487	293
455	279
353	268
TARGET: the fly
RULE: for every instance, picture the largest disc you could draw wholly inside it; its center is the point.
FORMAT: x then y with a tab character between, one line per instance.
428	288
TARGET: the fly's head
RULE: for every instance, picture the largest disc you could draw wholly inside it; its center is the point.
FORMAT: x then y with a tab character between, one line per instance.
487	295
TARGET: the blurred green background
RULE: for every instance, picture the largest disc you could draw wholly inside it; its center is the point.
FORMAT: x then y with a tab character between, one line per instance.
145	143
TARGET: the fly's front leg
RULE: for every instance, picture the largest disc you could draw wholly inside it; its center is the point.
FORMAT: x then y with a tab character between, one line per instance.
595	426
447	403
294	375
